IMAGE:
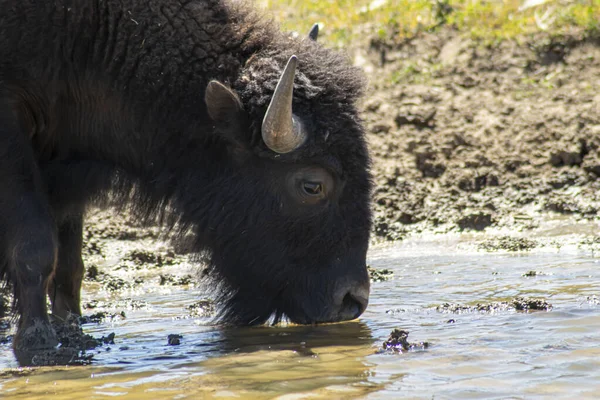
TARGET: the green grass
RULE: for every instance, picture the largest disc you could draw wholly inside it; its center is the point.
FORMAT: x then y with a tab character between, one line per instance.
345	21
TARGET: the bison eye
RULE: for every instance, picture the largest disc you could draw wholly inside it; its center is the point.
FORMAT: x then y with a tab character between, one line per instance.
312	188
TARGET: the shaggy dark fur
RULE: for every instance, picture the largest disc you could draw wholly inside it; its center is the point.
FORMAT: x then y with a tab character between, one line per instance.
105	100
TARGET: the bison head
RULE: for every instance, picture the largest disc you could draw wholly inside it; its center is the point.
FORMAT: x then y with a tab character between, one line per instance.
289	235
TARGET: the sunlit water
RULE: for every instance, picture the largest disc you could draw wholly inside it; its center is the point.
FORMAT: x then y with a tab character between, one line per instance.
502	355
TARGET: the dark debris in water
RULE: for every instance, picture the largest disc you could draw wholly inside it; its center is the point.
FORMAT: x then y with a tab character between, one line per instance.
93	274
508	243
174	340
114	284
398	342
102	316
71	335
5	339
146	258
593	300
127	303
92	247
201	308
531	274
170	279
110	282
529	304
518	304
380	275
5	305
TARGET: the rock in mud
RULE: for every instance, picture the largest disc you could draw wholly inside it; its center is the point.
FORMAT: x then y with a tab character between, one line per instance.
418	119
477	221
429	164
591	164
398	342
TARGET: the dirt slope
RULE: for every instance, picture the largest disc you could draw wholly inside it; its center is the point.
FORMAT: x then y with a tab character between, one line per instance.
466	136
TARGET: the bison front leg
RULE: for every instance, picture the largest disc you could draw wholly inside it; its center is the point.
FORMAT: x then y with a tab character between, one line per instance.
28	239
65	287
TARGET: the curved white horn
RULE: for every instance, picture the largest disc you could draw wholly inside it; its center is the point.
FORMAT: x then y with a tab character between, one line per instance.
281	131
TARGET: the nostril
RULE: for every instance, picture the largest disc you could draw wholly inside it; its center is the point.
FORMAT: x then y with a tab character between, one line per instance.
353	306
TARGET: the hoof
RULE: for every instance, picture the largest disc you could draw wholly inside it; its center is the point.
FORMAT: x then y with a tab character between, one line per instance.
36	335
34	338
34	343
39	358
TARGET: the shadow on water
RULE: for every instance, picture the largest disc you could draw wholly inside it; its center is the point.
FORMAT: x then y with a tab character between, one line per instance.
304	340
325	360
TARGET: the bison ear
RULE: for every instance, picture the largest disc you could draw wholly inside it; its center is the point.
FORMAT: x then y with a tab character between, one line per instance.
226	111
222	103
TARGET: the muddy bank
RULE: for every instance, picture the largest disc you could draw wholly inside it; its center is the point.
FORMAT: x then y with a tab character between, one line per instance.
467	136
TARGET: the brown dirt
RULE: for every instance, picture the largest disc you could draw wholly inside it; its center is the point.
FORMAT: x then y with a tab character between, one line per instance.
467	136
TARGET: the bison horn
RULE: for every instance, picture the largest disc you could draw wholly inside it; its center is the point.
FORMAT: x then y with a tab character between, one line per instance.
314	32
281	130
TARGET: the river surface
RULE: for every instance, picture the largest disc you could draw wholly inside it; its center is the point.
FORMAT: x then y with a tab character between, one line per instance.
471	355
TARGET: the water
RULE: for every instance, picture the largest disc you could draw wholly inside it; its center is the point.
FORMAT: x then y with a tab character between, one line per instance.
499	355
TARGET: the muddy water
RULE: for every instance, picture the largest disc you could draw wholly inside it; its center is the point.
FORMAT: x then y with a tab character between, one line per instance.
502	353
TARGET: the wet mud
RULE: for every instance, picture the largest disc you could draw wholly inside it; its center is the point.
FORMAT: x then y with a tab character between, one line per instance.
508	243
468	135
525	304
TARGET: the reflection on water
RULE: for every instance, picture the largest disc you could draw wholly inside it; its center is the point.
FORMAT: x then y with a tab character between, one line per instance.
505	354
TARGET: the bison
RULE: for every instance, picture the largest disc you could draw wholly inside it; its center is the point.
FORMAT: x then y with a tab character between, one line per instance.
201	114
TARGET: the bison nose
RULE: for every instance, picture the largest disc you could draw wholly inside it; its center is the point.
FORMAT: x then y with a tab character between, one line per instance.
354	302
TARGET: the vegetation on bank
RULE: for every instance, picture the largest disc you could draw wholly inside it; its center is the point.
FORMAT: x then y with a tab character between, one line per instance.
345	21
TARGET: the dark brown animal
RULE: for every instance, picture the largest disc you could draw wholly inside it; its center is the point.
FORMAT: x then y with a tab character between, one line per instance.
200	113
